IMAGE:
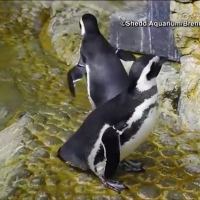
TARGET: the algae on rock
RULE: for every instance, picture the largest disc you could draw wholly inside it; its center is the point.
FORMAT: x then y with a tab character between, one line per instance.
10	143
188	41
64	24
65	32
169	90
34	171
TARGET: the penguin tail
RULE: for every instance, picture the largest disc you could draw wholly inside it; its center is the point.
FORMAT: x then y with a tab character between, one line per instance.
59	155
69	156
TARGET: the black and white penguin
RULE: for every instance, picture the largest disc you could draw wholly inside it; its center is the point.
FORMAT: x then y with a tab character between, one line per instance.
77	72
112	131
106	76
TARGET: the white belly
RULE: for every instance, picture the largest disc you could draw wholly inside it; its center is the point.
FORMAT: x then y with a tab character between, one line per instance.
88	86
127	65
141	135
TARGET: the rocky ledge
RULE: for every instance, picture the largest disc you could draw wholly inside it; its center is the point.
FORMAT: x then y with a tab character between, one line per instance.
29	166
187	40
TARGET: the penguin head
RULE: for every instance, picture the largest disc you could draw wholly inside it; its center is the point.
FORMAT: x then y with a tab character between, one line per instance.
88	24
144	71
154	66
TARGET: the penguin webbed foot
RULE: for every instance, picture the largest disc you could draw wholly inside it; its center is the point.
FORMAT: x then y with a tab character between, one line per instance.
113	185
132	166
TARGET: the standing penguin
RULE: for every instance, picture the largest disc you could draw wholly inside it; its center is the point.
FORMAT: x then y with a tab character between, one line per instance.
76	73
116	128
106	76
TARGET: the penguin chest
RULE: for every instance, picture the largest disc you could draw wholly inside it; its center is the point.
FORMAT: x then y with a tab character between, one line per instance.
89	86
127	65
146	126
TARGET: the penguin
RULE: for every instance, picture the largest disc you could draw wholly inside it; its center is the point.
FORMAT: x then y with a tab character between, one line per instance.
126	57
105	74
76	73
112	131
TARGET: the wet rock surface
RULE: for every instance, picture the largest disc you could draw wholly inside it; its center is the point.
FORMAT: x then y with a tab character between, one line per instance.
187	40
29	168
169	90
190	95
63	28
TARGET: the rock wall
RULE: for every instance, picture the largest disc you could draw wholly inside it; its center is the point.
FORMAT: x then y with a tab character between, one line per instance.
188	41
64	30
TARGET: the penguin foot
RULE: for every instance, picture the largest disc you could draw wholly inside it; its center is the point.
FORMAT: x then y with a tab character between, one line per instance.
132	166
113	185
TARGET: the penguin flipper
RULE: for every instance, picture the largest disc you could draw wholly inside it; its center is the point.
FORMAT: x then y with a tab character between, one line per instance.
111	142
125	55
75	74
